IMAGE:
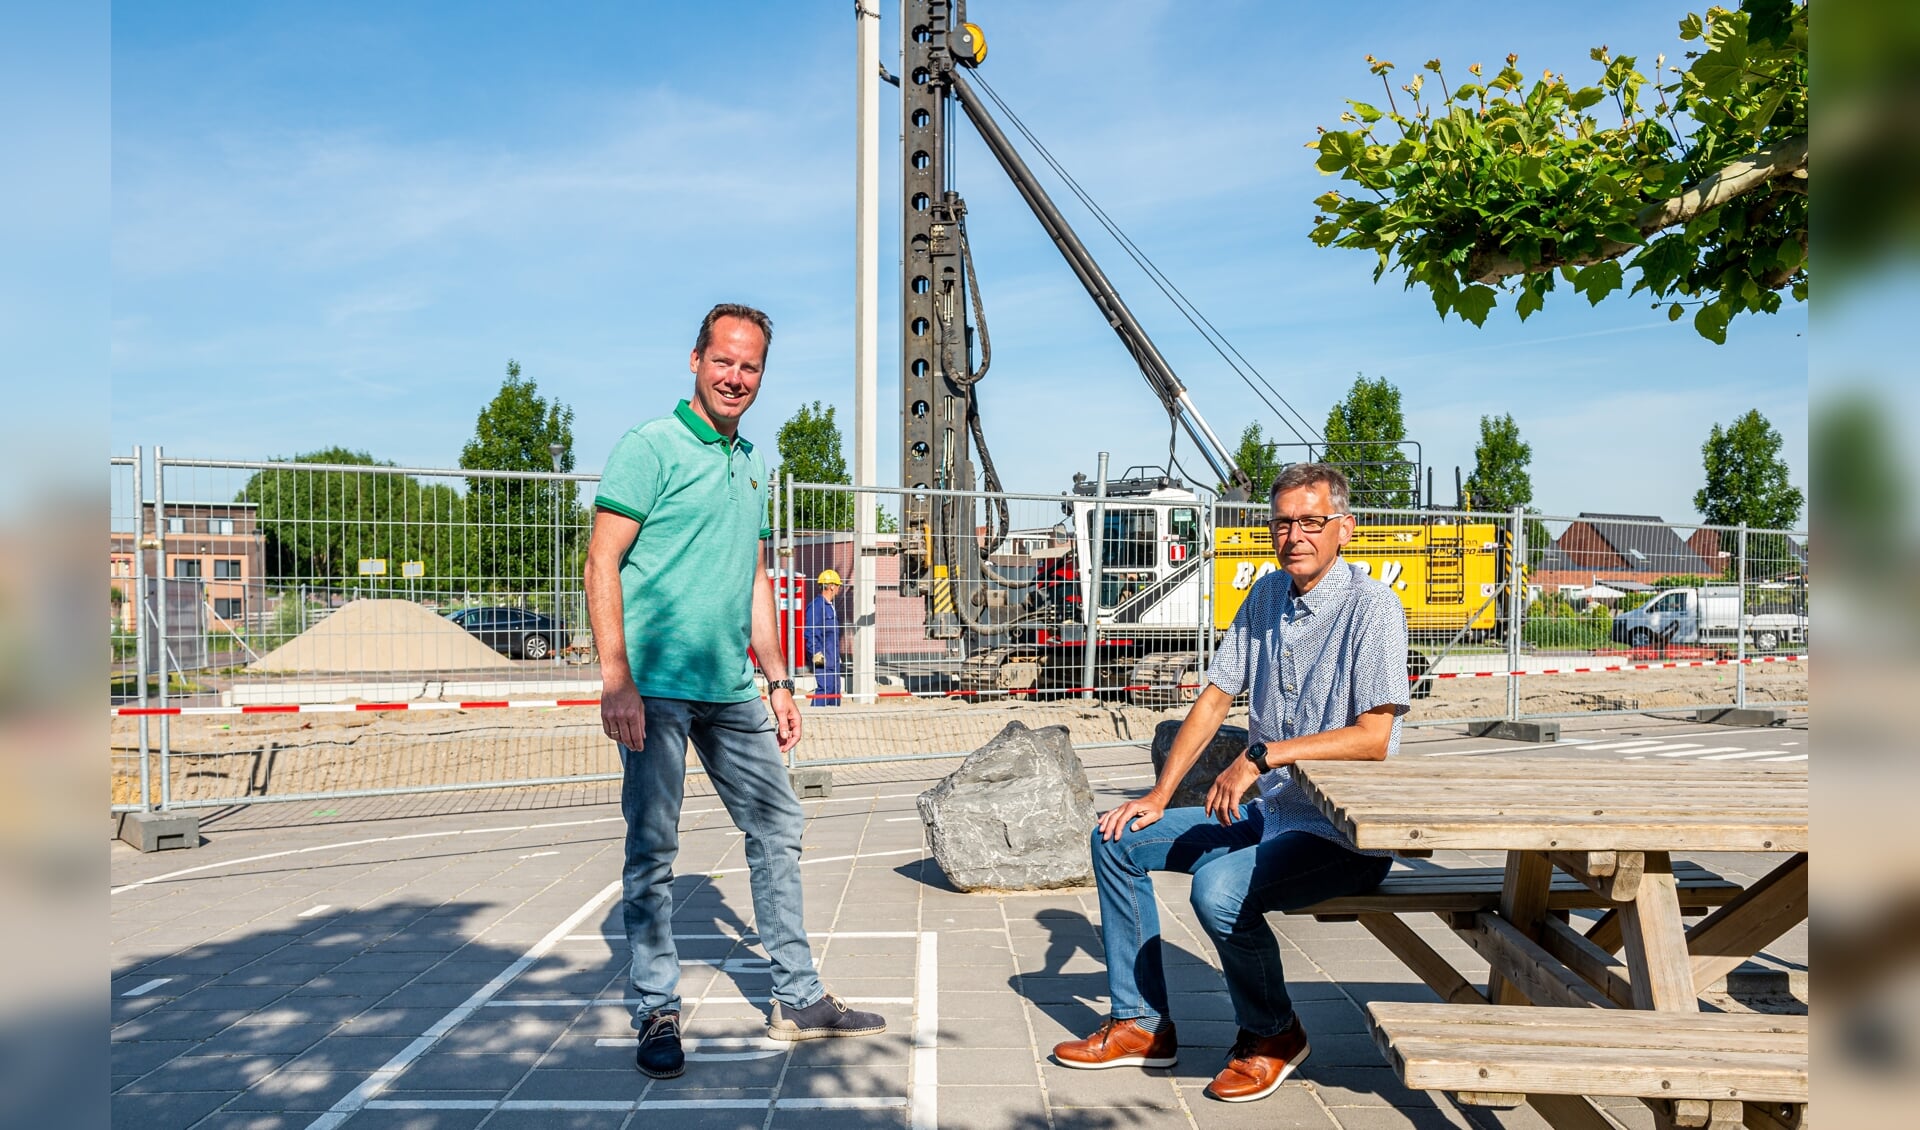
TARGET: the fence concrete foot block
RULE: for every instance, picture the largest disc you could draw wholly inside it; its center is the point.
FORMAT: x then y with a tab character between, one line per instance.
1517	731
159	831
811	782
1741	716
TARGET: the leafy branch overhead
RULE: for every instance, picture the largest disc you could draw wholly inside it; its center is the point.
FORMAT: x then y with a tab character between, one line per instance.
1696	179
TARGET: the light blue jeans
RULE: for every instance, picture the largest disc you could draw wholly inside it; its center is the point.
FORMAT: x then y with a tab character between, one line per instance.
737	744
1237	879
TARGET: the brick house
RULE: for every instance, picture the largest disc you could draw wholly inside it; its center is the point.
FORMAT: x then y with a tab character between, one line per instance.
217	544
1618	547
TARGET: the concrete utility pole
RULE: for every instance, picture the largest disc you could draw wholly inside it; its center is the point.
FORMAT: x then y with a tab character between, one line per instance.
866	341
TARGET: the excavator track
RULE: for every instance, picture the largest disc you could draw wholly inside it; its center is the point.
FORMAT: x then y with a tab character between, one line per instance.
1165	678
1001	669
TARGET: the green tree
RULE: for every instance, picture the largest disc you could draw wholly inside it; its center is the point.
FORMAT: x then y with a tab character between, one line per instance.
319	524
1500	480
1500	183
810	452
1364	433
1858	481
1746	481
1256	456
513	520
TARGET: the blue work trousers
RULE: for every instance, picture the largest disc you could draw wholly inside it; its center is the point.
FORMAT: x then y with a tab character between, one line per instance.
736	743
1237	879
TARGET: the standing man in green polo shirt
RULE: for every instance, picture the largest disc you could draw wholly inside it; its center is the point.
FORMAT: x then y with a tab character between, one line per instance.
677	588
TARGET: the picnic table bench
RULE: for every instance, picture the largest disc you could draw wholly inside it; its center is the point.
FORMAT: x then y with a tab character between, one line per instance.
1704	1069
1580	834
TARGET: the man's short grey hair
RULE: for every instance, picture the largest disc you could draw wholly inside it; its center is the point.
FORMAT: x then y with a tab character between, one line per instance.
733	310
1325	475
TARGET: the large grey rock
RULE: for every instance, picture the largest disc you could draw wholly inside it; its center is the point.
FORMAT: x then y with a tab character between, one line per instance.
1229	743
1015	816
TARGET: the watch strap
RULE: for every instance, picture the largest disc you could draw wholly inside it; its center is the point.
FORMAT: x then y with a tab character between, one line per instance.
779	685
1257	754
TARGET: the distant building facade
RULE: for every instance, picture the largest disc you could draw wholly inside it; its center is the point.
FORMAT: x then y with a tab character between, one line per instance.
217	544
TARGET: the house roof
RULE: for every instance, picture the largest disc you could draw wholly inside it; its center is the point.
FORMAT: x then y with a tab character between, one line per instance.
1649	548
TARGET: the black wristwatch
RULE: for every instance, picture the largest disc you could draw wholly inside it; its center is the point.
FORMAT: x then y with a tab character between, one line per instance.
1257	753
779	685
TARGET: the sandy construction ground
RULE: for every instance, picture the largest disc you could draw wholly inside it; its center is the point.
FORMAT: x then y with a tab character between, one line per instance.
241	756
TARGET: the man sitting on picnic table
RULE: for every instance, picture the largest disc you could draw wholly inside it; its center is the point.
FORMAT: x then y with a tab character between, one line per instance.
1322	649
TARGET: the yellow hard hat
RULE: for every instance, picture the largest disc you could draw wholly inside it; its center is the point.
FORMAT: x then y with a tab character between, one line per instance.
829	578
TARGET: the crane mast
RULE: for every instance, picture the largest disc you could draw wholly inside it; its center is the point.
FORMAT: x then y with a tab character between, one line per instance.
940	422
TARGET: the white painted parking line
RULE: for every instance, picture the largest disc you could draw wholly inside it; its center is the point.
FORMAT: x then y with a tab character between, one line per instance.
148	987
836	1102
629	1002
1627	743
1789	757
900	819
713	1050
1743	755
184	871
1702	751
923	1112
828	859
539	854
315	911
1663	749
370	1087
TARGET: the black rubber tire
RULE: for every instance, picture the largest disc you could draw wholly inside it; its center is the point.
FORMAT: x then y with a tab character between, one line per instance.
1640	638
535	646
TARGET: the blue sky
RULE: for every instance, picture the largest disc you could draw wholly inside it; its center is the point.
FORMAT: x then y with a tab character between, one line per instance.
334	224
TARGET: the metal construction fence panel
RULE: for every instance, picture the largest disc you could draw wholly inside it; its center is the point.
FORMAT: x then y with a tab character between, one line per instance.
291	630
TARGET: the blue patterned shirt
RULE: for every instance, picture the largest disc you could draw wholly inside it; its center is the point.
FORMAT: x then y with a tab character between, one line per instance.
1312	663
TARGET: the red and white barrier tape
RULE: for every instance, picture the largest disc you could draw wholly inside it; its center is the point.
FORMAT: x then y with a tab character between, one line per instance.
558	703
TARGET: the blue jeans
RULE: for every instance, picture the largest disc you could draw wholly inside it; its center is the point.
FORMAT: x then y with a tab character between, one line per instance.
1237	879
826	685
737	744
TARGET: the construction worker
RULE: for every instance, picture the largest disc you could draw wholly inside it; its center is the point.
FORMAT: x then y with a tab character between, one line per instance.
823	639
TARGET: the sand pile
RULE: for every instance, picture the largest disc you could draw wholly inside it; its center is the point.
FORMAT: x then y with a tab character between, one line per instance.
380	636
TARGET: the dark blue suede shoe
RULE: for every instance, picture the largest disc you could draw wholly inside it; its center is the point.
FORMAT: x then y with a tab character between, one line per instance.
824	1019
660	1055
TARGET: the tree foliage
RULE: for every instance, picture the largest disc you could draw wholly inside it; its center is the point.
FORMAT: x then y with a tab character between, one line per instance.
1858	480
1746	480
1364	433
811	452
1500	184
514	519
319	524
1500	480
1256	456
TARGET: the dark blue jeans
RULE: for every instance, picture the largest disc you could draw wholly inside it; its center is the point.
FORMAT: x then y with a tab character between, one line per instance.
737	744
1237	879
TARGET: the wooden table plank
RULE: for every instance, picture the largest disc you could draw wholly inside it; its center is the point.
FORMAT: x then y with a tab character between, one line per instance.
1741	928
1523	903
1658	968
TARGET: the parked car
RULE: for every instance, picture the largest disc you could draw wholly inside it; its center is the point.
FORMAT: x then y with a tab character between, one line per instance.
514	632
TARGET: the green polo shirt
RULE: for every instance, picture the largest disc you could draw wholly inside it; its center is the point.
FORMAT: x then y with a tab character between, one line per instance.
686	584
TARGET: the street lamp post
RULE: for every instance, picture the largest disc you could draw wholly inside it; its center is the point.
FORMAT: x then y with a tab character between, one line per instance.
555	450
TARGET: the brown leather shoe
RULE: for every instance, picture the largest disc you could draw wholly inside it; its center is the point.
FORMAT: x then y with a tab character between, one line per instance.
1121	1043
1257	1066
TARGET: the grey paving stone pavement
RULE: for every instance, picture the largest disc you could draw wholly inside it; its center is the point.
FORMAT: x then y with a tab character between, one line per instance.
289	964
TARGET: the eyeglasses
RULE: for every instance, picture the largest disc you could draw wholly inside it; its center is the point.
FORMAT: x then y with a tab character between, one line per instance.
1308	523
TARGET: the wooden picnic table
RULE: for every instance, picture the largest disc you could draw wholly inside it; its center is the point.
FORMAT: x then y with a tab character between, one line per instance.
1611	825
